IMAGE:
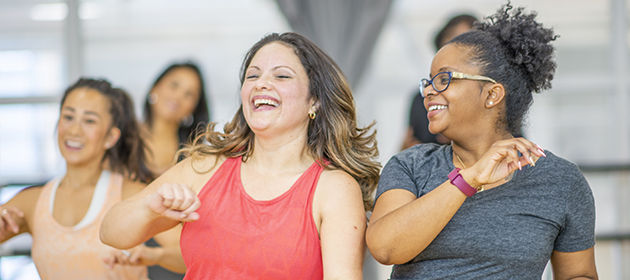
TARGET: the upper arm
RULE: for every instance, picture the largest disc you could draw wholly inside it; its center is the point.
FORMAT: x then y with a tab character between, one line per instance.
390	201
570	265
131	188
339	206
169	238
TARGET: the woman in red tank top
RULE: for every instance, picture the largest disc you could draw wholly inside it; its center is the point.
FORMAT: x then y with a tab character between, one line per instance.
280	193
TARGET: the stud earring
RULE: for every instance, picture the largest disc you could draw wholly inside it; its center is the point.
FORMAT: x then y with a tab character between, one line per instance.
490	103
312	115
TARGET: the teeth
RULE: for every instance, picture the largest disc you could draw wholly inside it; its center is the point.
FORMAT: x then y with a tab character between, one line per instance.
262	101
436	107
74	144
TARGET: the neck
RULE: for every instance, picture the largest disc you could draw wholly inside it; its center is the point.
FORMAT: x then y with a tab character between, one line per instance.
278	153
470	150
163	127
86	175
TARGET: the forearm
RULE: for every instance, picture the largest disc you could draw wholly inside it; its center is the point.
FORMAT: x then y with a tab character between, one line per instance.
130	223
405	232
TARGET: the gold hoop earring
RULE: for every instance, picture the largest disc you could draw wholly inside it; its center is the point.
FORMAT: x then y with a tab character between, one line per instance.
312	115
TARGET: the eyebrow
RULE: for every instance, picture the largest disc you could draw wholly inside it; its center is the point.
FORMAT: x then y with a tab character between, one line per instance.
274	68
67	108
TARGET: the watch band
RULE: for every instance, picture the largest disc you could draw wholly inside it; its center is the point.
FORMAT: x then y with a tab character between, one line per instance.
458	181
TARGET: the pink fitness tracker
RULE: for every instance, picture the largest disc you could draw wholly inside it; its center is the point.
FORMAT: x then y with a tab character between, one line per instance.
458	181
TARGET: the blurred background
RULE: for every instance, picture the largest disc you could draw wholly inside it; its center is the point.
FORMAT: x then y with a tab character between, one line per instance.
385	47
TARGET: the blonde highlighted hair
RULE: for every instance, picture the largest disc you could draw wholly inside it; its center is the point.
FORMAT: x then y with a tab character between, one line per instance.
333	135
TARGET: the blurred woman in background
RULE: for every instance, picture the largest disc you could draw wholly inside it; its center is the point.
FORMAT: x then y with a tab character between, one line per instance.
98	137
175	109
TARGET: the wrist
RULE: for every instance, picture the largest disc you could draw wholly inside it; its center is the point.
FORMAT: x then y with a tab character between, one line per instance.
471	178
456	178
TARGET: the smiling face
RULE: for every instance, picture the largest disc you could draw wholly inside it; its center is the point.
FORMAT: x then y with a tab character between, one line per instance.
459	107
84	129
176	94
275	92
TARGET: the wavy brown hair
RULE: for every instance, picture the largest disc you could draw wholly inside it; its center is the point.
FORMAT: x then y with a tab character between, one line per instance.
333	135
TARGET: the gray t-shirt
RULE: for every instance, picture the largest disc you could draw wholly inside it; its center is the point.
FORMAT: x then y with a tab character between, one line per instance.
507	232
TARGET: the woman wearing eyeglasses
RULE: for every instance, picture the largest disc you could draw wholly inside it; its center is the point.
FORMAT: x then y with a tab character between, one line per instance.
488	206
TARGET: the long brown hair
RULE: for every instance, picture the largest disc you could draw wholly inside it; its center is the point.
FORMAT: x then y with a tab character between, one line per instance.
333	135
127	156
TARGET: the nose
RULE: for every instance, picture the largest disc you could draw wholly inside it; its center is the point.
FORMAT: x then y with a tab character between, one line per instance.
74	128
428	90
263	83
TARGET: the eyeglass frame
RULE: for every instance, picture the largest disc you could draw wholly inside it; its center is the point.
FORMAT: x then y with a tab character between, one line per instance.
452	75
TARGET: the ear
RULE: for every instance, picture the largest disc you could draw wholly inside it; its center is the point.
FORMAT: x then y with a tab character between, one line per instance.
495	94
112	137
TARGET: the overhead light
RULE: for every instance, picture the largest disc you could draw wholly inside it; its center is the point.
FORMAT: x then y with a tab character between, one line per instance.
49	12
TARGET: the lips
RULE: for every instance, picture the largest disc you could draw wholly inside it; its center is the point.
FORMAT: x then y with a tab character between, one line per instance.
74	145
264	102
435	108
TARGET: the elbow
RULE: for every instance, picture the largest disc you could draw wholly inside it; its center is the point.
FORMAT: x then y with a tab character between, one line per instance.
384	251
379	251
110	239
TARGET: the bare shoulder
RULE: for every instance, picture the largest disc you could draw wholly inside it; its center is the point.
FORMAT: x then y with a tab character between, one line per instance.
337	186
131	187
30	193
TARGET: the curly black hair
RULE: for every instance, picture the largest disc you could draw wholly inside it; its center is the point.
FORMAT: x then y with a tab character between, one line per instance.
515	50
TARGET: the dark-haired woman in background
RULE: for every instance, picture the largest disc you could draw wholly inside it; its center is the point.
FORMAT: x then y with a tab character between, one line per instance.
98	137
488	206
175	107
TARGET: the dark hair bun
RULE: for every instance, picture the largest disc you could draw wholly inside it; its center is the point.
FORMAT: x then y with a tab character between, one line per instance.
527	44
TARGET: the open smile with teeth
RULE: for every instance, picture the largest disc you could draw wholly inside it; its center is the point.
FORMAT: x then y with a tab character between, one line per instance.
263	101
437	107
74	144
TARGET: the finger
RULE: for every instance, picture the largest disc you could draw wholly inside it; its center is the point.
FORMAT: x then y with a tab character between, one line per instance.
173	214
534	149
192	207
189	198
166	192
135	256
15	211
191	217
109	261
178	197
9	222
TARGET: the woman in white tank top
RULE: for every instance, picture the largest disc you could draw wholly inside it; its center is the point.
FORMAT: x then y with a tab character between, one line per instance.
97	134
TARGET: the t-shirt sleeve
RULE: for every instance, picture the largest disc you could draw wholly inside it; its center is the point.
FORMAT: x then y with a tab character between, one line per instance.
397	174
578	232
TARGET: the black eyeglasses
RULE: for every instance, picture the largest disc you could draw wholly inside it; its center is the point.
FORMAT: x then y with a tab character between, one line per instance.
442	80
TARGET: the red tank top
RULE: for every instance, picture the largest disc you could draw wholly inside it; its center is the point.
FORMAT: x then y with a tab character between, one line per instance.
238	237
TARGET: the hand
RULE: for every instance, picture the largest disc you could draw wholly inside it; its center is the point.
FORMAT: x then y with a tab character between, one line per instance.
139	255
501	160
175	201
8	221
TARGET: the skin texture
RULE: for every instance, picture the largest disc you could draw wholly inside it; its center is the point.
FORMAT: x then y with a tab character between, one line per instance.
279	158
402	225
